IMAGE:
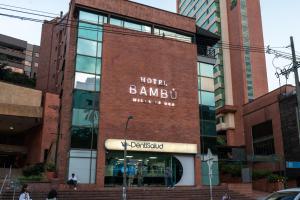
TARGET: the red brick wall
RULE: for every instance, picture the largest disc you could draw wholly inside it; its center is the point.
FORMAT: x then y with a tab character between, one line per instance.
154	57
125	60
50	123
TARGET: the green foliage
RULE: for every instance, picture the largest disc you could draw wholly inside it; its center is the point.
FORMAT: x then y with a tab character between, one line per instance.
13	77
272	178
235	170
260	173
33	178
35	170
50	167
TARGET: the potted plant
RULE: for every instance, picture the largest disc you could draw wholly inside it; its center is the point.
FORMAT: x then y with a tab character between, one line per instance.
276	182
50	171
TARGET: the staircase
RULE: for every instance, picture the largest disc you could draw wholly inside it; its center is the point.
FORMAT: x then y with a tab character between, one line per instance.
136	194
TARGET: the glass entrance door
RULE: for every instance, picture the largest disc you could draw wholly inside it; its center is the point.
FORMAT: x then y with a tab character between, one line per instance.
143	169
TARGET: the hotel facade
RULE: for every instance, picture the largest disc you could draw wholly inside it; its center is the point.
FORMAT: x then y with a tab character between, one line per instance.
129	71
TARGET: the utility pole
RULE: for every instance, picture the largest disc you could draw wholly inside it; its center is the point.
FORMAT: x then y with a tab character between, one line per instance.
286	72
295	69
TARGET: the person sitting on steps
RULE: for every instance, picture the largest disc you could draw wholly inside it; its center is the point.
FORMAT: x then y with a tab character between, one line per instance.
73	181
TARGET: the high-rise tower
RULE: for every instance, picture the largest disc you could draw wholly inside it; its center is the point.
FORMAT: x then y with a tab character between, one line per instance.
239	75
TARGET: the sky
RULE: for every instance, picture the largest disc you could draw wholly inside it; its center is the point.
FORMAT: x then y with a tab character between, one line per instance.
280	21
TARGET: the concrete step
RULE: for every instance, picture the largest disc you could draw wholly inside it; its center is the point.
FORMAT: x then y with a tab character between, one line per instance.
135	194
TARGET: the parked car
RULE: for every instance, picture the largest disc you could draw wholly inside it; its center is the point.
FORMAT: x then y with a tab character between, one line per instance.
288	194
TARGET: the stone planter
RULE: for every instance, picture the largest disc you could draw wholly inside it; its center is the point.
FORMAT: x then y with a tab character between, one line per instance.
50	175
265	186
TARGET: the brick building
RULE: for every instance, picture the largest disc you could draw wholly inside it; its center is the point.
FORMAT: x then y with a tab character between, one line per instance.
272	137
110	60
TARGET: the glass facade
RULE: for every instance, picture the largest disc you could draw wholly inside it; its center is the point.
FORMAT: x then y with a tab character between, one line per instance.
207	14
208	132
143	169
246	43
207	107
85	115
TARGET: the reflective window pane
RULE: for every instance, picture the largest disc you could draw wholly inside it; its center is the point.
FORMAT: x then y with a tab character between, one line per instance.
208	128
207	112
90	31
85	99
99	50
98	79
133	26
207	98
146	29
84	138
87	47
206	70
85	117
116	22
88	17
88	64
87	81
207	84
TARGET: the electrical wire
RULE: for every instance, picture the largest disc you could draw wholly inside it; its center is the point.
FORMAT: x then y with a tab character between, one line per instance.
24	18
225	45
220	44
39	11
24	12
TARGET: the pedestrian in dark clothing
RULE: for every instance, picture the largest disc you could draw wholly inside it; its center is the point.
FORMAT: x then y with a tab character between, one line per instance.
52	195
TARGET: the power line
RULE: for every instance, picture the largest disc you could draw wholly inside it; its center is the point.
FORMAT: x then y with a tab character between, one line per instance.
223	45
30	13
39	11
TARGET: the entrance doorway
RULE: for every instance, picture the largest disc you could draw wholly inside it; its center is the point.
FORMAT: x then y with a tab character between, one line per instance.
143	169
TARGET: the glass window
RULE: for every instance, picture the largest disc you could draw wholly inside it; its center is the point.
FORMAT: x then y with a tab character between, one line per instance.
84	138
146	29
206	70
85	99
83	163
90	31
207	84
133	26
116	22
207	98
88	64
208	128
87	81
99	50
85	117
88	17
86	47
207	113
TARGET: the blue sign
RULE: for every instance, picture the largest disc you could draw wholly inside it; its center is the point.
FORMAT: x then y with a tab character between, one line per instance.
294	165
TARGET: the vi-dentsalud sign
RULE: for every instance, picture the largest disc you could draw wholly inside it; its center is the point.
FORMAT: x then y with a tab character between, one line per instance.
150	146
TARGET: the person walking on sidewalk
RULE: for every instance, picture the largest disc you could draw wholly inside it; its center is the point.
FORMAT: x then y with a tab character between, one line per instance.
24	193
